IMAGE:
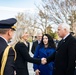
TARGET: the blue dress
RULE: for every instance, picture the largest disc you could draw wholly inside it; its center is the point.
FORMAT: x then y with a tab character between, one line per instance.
40	53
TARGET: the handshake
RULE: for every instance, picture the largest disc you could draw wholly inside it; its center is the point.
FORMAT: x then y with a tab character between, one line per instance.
43	61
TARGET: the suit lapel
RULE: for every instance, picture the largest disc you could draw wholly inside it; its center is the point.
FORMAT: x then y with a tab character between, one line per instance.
60	44
63	42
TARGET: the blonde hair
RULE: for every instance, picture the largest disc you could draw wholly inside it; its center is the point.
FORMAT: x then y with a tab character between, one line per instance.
18	36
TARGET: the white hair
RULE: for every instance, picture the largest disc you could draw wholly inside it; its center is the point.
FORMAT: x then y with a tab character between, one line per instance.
39	33
65	26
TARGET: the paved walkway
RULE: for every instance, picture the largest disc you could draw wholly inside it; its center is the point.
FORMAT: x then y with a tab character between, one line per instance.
30	65
30	68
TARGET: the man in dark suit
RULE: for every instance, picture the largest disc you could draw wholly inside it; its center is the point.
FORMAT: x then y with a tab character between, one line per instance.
65	55
6	32
35	43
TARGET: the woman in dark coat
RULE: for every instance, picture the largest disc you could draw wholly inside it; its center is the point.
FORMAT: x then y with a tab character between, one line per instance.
45	49
21	47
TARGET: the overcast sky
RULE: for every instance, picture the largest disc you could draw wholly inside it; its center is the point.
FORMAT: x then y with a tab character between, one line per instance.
10	8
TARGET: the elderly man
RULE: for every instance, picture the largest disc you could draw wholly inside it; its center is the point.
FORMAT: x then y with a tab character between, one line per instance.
7	54
35	43
65	55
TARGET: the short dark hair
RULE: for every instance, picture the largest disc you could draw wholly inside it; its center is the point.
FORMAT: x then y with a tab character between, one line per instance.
3	31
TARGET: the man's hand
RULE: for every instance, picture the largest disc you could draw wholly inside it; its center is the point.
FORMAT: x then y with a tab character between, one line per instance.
43	61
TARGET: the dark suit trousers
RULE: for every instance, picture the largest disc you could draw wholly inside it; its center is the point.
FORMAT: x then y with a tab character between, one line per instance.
75	72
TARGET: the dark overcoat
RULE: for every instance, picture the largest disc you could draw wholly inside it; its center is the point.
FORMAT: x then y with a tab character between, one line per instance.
65	57
34	45
9	67
75	68
22	58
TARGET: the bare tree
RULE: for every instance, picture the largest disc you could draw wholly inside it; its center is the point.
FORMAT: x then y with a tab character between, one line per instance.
49	12
55	11
60	9
28	21
42	19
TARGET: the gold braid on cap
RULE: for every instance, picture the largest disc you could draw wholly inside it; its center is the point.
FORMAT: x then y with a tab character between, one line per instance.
14	27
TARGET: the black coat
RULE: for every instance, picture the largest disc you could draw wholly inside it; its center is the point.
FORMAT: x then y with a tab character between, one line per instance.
64	57
75	68
9	68
22	58
28	46
75	72
34	45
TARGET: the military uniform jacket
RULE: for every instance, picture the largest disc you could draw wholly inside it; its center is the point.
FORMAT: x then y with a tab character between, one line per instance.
65	57
9	67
